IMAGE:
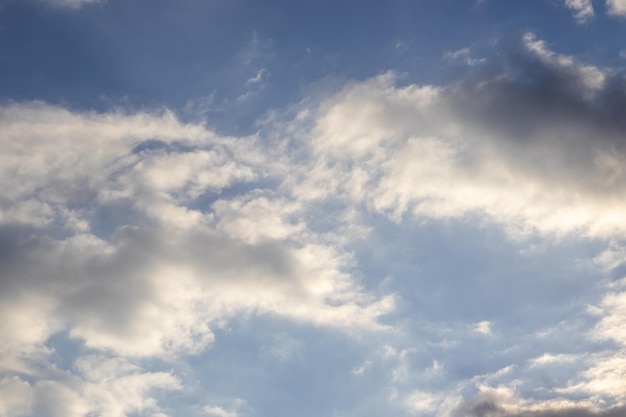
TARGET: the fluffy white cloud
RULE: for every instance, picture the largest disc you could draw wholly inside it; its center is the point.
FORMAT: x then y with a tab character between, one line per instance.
102	386
136	235
126	283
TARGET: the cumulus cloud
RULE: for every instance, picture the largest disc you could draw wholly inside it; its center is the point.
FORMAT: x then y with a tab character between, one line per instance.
135	235
130	227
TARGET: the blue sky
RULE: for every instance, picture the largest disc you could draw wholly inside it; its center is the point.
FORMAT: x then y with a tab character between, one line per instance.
313	208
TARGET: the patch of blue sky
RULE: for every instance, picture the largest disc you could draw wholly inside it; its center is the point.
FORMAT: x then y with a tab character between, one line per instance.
283	368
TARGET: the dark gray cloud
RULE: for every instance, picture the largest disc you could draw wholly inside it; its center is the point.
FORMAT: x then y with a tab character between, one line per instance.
490	405
548	114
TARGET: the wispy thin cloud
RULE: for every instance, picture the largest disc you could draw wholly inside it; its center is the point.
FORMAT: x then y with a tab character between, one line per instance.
583	10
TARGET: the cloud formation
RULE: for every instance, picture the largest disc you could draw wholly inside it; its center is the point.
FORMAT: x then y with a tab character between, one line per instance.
584	11
135	236
533	143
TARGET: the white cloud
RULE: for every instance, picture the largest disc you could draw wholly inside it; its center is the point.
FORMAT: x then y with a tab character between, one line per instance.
428	403
16	397
464	55
548	358
421	402
439	152
72	4
521	148
360	370
135	234
583	9
612	323
606	374
259	77
116	387
26	322
482	327
219	411
102	164
102	386
616	7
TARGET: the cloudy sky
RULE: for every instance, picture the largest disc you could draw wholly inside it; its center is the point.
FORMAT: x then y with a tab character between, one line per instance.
239	208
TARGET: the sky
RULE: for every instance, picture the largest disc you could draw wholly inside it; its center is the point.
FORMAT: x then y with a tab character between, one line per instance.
236	208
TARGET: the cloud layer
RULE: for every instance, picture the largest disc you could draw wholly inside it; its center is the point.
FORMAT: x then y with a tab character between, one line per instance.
135	237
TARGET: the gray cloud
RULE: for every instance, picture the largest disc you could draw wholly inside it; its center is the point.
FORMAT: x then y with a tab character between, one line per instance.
548	115
490	405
